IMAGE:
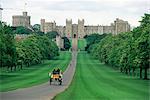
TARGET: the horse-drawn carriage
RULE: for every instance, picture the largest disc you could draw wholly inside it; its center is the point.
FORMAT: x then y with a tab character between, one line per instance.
55	76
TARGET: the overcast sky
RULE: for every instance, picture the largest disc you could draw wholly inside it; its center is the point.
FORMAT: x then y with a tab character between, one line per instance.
94	12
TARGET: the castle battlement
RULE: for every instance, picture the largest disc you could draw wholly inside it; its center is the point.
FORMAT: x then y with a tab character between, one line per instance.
80	30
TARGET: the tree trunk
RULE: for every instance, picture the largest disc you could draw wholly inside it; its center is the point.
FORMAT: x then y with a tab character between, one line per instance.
129	69
126	70
145	73
133	71
15	67
8	67
121	69
140	72
11	67
21	66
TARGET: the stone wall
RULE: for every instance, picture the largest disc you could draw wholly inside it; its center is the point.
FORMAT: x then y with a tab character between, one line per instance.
68	29
21	20
47	26
80	30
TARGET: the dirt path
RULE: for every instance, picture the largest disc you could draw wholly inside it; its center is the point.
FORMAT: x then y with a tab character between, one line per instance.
44	91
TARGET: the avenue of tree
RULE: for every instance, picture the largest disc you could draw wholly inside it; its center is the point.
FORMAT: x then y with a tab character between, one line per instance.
129	51
34	49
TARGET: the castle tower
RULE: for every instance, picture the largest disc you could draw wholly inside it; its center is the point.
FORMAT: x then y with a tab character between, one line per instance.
54	26
21	20
68	30
42	25
81	32
121	26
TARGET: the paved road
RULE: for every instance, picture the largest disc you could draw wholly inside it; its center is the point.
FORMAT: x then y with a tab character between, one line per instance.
43	91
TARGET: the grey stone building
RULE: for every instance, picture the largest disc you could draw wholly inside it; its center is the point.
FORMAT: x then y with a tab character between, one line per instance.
47	26
80	30
21	20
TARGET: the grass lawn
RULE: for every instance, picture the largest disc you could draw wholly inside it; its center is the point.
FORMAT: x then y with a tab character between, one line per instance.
96	81
32	75
81	44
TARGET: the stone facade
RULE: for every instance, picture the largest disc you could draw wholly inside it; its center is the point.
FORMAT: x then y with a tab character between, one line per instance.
21	20
60	30
47	26
68	28
74	29
80	30
121	26
59	42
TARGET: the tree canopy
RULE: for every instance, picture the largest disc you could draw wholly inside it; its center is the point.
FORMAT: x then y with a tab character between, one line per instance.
126	51
67	43
33	49
93	39
52	34
23	30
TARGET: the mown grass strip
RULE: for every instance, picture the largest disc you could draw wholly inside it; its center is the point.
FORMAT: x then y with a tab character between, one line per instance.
81	44
33	75
96	81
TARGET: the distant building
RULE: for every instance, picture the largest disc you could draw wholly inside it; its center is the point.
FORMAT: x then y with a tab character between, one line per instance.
47	26
80	30
59	42
21	20
121	26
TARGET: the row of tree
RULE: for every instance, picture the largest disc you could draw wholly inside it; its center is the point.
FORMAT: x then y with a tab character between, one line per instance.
36	29
92	39
31	50
67	43
127	51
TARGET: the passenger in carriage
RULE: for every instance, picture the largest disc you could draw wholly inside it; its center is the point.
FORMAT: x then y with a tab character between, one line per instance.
58	71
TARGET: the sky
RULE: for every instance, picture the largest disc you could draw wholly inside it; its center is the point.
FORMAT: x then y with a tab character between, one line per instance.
94	12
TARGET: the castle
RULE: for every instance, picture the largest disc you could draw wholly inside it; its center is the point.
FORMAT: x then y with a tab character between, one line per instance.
80	30
21	20
73	30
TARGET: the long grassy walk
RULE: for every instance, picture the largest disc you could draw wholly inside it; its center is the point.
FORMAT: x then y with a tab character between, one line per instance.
81	44
96	81
33	75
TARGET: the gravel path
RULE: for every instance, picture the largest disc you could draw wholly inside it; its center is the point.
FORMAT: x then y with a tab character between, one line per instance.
44	91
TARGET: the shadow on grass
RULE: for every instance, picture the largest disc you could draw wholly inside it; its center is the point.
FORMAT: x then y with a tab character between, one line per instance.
7	76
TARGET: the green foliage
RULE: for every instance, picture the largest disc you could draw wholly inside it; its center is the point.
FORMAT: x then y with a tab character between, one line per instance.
96	81
34	49
67	43
30	76
36	27
51	34
92	39
7	46
28	51
22	30
81	44
128	50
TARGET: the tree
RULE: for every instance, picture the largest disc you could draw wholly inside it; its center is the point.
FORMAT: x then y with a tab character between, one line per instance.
51	34
7	46
36	27
126	51
22	30
92	39
67	43
34	49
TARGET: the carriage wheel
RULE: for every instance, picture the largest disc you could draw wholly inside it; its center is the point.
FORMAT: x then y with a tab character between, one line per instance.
60	82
